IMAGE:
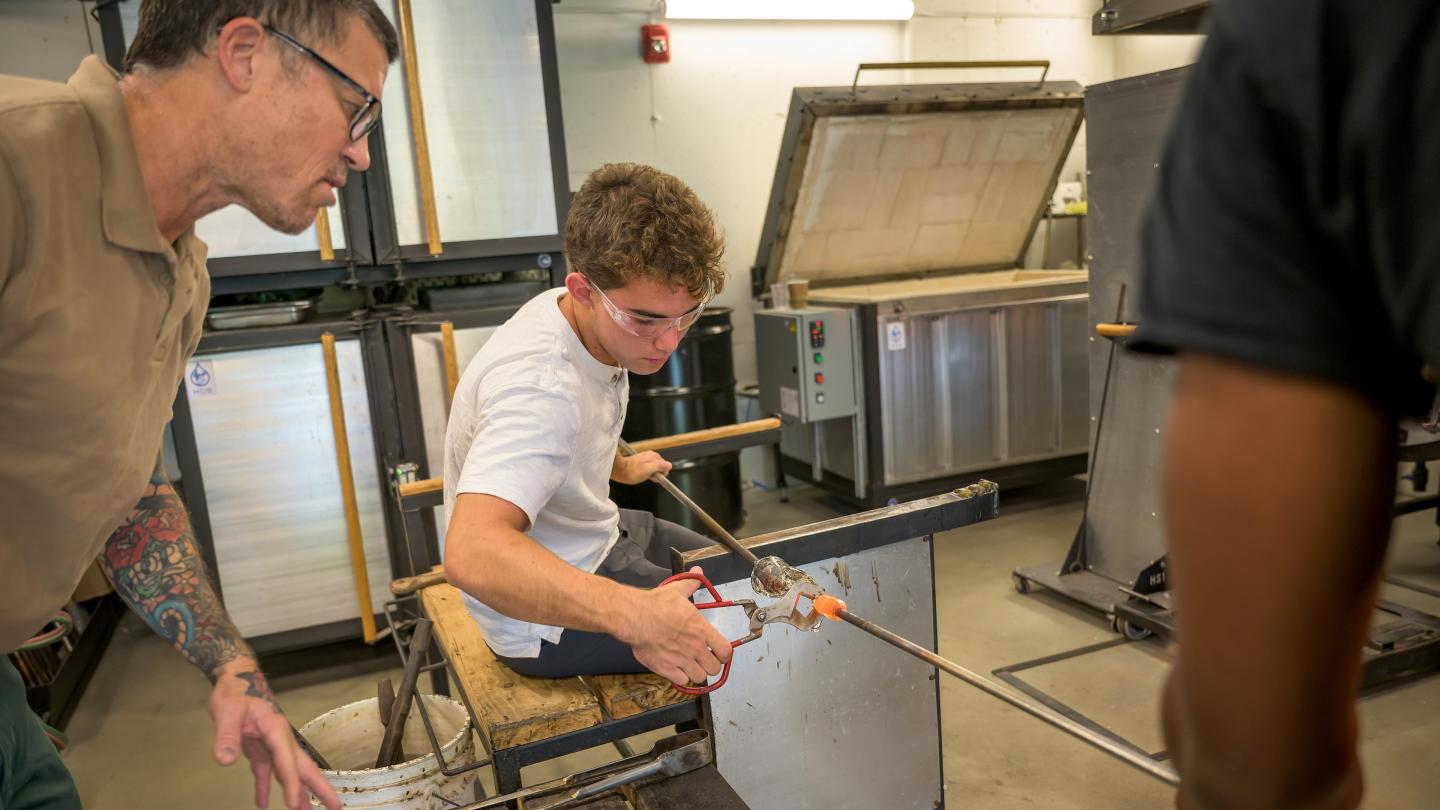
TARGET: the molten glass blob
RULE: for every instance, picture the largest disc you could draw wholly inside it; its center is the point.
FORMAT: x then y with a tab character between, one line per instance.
829	607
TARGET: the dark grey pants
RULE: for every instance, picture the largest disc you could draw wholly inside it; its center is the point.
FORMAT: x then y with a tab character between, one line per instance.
32	777
641	557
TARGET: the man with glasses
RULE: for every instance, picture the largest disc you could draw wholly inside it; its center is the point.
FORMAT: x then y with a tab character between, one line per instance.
103	289
561	581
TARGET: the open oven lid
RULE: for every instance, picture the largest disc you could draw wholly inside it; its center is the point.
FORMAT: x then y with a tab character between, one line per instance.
904	181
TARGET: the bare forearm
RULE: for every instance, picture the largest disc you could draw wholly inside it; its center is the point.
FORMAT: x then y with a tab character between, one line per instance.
1276	494
156	567
522	579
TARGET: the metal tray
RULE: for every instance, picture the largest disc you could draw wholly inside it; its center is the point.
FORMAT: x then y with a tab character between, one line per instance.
252	315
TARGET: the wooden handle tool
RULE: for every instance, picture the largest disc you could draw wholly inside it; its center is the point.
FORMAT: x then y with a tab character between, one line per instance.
404	586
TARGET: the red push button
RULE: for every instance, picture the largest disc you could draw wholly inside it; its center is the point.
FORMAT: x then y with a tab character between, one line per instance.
819	378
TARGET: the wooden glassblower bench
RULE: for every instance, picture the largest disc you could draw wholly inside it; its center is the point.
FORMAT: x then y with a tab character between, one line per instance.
823	719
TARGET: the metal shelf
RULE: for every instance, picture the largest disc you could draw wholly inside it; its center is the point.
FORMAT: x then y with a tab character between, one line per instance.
56	701
1150	17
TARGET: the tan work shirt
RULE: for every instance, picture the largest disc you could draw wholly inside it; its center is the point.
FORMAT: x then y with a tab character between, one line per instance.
97	318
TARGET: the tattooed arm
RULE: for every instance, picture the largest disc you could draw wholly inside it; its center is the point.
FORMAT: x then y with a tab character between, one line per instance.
156	567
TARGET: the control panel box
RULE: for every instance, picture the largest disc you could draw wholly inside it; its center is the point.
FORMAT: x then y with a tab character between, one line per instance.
806	362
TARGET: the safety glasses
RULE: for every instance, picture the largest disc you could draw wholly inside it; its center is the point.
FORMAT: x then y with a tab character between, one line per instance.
642	326
368	115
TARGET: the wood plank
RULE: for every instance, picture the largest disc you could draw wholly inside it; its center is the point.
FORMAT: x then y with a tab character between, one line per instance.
452	363
513	709
627	695
404	586
703	789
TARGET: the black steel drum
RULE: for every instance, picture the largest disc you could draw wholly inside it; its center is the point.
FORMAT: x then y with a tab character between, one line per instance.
695	389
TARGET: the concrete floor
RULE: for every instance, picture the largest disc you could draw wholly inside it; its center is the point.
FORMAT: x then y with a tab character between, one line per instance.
141	736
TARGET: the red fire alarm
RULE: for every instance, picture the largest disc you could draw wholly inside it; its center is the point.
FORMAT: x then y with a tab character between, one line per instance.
654	43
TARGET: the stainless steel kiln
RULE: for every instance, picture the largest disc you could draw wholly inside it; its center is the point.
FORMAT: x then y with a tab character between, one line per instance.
925	354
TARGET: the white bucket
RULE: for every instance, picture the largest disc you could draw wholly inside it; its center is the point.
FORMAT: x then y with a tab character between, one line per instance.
349	739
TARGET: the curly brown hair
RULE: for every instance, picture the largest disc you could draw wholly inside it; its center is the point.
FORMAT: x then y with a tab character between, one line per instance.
630	221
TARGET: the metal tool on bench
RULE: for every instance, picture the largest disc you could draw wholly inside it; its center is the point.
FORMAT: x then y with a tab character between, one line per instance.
769	576
671	756
787	611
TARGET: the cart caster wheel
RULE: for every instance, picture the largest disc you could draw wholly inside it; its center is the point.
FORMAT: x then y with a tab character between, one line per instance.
1022	585
1134	632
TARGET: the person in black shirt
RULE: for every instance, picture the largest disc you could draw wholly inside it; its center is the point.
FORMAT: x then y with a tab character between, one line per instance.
1290	260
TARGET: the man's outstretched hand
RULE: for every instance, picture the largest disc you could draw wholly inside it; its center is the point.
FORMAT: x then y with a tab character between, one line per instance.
249	722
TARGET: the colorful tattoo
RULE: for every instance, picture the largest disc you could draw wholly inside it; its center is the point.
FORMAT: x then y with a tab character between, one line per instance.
156	567
259	688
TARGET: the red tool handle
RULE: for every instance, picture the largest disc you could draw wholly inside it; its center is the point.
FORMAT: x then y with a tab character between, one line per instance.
720	602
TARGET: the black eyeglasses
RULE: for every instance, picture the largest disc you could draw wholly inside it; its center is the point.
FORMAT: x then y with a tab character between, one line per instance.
368	115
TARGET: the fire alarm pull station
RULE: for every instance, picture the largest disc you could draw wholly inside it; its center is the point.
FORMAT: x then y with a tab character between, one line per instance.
655	43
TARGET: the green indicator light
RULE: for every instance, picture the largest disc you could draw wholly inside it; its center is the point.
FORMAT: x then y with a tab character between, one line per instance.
817	357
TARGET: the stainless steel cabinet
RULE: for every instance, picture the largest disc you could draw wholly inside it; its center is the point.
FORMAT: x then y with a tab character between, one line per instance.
493	186
938	395
262	430
429	354
974	389
913	205
486	123
234	232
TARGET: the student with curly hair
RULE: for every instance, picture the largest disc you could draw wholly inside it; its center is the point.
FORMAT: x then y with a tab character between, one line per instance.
561	581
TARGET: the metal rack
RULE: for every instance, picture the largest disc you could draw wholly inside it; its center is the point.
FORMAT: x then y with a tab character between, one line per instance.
403	615
1117	563
55	700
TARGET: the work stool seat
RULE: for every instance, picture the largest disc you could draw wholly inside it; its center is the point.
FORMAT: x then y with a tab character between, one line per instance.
523	720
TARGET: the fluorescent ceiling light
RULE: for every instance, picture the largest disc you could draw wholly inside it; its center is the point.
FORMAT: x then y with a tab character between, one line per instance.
789	9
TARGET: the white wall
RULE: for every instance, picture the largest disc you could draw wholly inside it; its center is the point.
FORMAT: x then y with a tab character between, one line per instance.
45	39
714	114
1058	30
1136	55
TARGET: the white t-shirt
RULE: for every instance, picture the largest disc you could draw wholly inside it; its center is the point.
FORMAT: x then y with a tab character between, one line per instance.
535	420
